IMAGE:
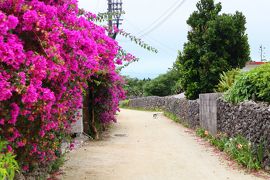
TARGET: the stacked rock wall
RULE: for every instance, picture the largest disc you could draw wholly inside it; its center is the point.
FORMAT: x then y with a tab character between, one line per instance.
248	119
186	110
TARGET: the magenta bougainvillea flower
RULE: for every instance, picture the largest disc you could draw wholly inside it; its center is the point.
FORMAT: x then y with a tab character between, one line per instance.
49	52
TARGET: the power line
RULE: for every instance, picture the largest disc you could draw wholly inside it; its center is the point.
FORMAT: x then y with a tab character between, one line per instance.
153	39
164	19
161	44
160	17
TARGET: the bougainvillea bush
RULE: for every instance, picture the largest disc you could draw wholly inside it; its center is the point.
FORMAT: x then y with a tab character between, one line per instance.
49	50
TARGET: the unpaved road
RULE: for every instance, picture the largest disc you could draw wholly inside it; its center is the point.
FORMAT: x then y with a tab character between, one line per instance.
140	147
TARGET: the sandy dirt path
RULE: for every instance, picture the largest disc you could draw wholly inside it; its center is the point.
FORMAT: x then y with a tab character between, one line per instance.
140	147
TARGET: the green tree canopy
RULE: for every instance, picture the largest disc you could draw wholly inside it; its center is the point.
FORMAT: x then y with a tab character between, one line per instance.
134	86
163	85
216	43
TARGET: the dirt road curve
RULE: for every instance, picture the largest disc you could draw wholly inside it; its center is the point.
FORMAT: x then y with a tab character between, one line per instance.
140	147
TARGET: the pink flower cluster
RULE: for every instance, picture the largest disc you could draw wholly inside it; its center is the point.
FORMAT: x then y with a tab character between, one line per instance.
49	50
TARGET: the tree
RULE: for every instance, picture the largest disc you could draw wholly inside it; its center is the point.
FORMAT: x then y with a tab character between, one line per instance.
134	86
216	43
163	85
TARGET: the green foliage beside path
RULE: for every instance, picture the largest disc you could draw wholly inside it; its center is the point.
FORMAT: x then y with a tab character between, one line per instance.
238	148
252	85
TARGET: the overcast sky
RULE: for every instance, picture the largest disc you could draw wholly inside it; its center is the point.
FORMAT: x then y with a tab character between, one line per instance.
168	38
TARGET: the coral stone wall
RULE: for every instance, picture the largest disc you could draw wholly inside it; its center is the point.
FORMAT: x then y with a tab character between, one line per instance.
186	110
249	119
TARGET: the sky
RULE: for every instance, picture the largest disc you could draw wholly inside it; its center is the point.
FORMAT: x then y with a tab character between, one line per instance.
141	16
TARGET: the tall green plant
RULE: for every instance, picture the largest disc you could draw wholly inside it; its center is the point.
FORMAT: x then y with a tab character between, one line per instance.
226	80
8	164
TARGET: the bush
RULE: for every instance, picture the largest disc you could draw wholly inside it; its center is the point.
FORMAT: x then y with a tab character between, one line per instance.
8	164
49	52
252	85
227	79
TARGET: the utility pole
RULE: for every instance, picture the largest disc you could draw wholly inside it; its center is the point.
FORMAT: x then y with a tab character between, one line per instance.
115	10
262	53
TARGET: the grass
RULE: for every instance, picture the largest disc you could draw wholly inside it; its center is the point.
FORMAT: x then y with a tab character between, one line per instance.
175	118
172	116
238	148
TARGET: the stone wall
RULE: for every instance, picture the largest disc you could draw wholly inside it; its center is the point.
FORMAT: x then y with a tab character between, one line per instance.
248	119
186	110
148	103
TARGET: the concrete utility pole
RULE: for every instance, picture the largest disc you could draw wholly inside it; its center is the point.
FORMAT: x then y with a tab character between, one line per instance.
262	53
115	11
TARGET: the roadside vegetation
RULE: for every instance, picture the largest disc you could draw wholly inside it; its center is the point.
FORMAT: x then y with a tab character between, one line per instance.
163	85
253	85
238	148
227	80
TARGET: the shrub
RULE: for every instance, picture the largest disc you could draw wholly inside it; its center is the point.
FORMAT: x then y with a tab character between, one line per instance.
252	85
227	79
8	164
49	52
